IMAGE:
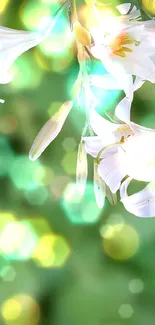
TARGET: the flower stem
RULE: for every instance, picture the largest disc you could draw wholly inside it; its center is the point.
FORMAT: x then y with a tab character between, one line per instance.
74	12
106	147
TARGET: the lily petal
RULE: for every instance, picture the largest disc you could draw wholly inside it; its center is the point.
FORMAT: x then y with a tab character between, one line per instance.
50	131
124	8
6	78
104	81
138	83
112	170
93	145
140	157
141	130
122	110
140	66
102	127
142	203
119	72
13	44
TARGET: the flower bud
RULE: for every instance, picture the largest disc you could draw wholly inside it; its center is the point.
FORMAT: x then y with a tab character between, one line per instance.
82	168
99	187
50	130
81	34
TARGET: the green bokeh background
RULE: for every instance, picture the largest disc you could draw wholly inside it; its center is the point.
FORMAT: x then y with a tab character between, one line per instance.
62	260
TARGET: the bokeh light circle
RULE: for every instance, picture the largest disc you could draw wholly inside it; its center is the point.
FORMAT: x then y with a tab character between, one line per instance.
120	241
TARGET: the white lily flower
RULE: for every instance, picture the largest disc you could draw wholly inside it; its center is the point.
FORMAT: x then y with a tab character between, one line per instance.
124	150
107	145
12	44
126	48
15	42
49	131
82	168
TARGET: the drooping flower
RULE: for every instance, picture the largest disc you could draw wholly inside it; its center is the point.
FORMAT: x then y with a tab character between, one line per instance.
125	47
15	42
12	44
49	131
125	149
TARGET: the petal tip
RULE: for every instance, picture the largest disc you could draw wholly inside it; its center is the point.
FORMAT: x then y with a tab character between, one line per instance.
33	156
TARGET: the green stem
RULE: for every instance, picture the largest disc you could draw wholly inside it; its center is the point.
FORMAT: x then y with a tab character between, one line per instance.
103	149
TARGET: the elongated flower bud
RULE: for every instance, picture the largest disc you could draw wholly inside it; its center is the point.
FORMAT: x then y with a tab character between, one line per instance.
112	197
50	130
81	34
82	168
99	187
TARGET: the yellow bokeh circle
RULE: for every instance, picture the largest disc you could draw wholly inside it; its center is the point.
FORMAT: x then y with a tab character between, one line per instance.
120	241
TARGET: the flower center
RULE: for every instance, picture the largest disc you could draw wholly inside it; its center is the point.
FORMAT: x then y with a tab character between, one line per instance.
119	45
123	132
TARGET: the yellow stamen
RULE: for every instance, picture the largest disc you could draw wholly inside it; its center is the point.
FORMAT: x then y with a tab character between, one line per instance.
126	49
117	45
119	53
127	41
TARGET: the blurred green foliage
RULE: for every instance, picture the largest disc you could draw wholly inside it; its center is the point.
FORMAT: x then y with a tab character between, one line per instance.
62	261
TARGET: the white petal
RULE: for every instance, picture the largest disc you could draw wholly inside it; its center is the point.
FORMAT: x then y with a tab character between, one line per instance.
142	203
93	145
2	101
6	78
50	131
135	13
138	83
102	127
140	66
96	34
124	8
141	130
104	81
146	47
135	32
13	44
122	110
123	76
112	171
140	157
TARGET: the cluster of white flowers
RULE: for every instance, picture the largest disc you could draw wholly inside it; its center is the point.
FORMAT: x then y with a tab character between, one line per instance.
125	45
